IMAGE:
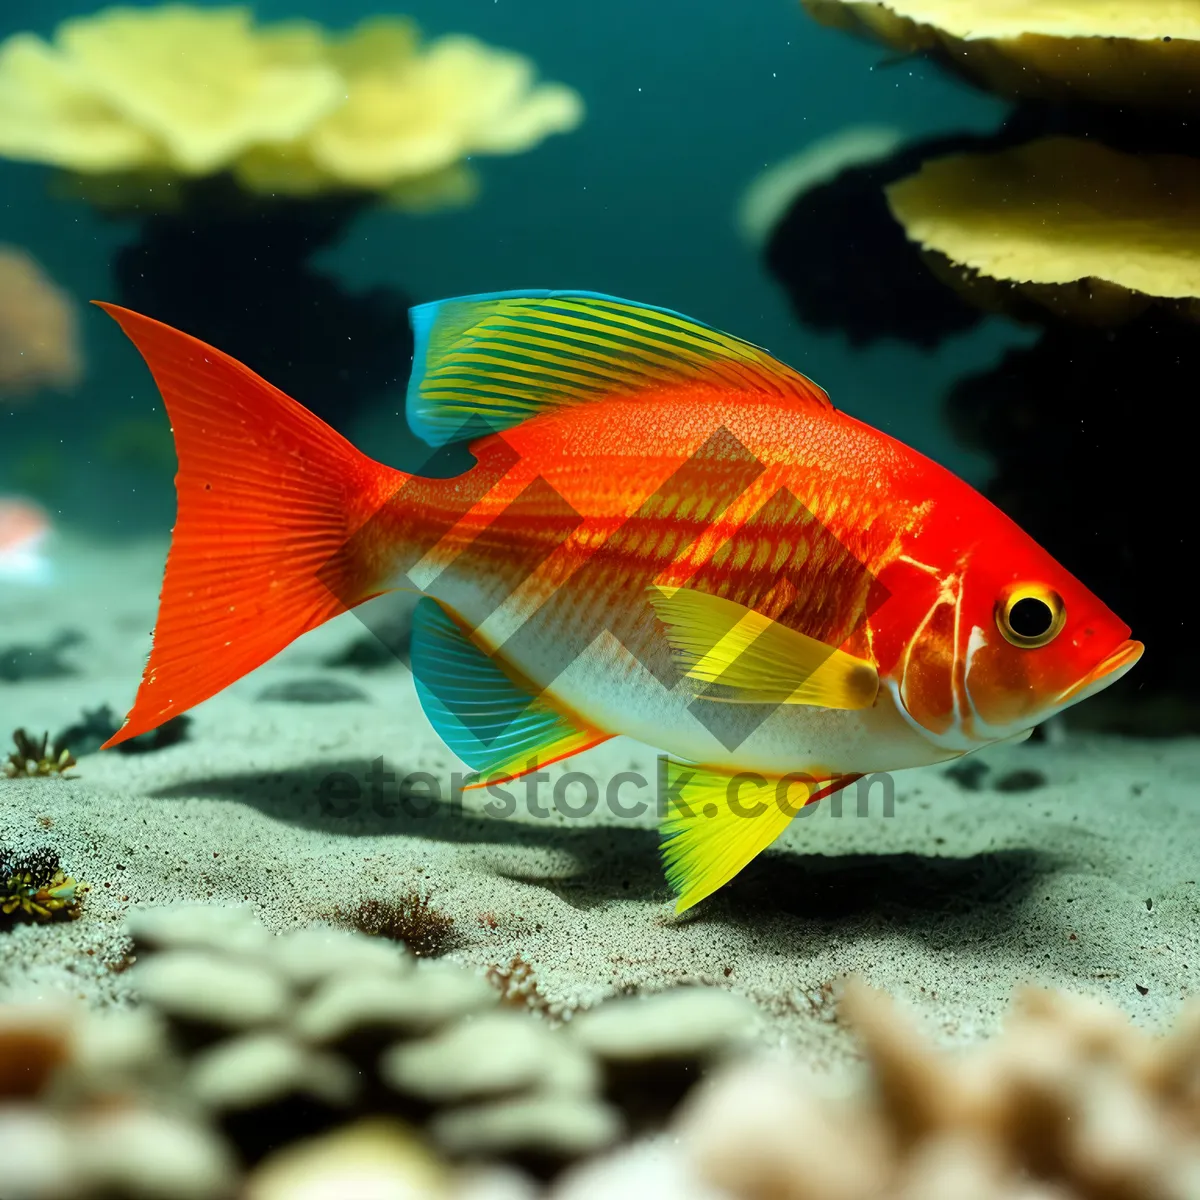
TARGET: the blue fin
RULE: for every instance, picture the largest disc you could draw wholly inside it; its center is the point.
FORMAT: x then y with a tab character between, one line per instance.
488	362
494	725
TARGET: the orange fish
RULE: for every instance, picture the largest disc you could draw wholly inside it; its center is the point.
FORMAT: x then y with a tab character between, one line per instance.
667	534
24	527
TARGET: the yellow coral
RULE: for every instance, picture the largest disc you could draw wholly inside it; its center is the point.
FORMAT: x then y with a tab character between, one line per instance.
410	116
203	82
286	108
50	114
1082	229
1120	51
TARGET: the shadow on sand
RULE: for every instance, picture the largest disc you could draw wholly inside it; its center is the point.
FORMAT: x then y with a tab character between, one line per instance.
905	892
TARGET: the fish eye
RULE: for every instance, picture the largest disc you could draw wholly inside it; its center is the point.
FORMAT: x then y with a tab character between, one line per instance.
1030	615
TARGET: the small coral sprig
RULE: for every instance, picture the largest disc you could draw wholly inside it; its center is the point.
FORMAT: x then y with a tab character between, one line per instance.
34	758
37	887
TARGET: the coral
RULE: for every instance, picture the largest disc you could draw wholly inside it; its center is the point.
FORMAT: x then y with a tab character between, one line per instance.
287	108
410	919
655	1048
1070	1101
1135	52
87	735
380	1073
35	887
378	1157
773	192
33	758
39	334
842	259
412	116
203	84
1081	230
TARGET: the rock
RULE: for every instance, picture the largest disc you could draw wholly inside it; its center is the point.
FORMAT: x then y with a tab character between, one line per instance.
314	691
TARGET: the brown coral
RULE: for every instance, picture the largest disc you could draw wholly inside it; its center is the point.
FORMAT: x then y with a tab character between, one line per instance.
39	336
1137	52
1070	1101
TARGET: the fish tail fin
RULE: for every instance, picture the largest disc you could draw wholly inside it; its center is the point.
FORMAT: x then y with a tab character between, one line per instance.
266	543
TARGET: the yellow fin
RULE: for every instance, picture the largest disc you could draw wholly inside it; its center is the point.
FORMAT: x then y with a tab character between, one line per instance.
717	821
737	655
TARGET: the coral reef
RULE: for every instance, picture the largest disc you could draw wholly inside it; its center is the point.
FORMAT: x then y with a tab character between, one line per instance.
34	886
32	758
254	1060
1071	1101
325	1064
288	108
1081	230
1140	52
299	132
39	335
847	266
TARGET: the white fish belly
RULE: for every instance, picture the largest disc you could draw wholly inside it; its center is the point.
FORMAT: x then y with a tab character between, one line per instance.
610	689
622	697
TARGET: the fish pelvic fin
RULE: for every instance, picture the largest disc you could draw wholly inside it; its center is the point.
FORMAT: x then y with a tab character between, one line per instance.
495	722
727	652
488	362
268	500
717	821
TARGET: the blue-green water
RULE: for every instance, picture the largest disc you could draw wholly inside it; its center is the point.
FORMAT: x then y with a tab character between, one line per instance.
686	104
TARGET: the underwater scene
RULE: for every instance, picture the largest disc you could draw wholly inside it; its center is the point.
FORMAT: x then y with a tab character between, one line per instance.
591	600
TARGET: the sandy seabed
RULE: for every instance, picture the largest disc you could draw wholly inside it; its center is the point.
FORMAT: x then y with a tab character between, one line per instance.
1074	863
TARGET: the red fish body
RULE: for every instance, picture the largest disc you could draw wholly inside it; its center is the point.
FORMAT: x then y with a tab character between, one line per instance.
667	535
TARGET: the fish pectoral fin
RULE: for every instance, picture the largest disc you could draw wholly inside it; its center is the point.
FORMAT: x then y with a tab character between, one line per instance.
732	653
494	723
717	821
488	362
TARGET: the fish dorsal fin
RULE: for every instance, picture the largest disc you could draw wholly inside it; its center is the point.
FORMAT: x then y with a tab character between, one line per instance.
717	821
489	362
732	653
492	723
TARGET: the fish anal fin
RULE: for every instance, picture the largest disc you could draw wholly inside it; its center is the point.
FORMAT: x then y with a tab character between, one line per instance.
718	821
732	653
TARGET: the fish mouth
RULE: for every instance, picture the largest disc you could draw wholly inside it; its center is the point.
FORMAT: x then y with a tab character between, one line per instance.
1104	673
